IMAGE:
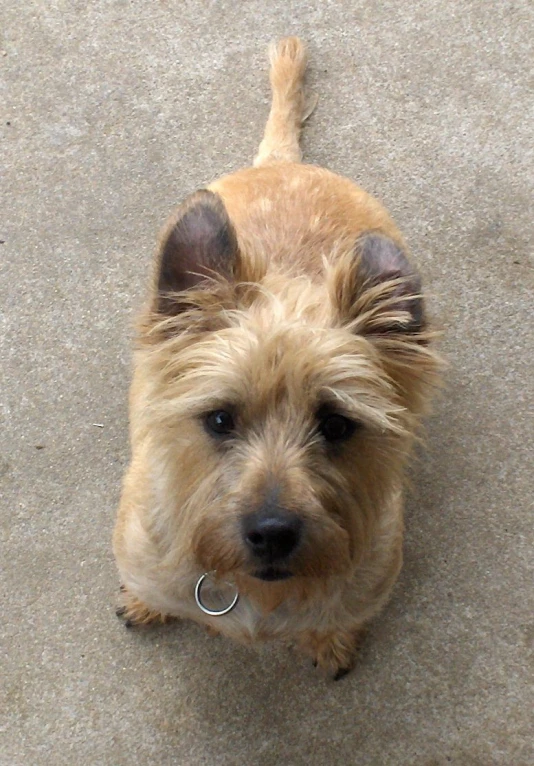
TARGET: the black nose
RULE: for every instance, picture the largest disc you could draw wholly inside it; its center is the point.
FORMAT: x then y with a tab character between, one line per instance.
272	535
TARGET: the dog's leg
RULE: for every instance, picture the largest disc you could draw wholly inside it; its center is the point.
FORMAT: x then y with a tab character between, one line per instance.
333	652
135	612
289	108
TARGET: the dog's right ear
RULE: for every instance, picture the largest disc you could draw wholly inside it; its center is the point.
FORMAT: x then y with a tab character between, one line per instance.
199	243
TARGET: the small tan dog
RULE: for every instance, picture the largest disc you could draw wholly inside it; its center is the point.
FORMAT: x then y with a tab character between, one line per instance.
282	368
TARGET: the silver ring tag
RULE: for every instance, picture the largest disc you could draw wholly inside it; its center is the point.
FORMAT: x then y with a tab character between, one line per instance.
203	608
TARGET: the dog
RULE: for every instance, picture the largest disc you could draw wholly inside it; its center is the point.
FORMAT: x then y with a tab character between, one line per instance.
282	367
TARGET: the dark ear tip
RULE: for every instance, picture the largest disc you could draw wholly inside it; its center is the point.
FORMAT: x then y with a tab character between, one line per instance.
202	198
199	242
380	256
381	260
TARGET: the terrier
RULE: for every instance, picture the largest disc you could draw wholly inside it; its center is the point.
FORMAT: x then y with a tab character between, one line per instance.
283	364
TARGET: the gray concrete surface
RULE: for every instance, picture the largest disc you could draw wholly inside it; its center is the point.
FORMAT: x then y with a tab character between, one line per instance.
111	112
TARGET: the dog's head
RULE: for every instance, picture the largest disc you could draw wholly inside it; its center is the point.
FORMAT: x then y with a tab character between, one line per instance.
281	409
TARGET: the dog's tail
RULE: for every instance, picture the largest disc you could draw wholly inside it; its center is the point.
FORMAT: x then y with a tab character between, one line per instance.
289	107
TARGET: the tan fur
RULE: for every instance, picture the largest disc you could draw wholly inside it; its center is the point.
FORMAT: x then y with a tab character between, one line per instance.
294	326
288	109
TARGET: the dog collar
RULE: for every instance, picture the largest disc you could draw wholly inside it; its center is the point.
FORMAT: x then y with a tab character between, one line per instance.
203	607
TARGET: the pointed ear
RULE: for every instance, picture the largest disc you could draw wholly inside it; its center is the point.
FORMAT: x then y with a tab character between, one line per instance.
383	293
198	244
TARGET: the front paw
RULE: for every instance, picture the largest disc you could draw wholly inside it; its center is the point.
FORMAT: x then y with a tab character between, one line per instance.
132	611
333	652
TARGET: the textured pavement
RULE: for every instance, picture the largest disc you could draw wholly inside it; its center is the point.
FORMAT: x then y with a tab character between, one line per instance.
111	112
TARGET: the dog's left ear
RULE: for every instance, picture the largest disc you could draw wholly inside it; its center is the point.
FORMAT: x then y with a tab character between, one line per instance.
382	294
197	245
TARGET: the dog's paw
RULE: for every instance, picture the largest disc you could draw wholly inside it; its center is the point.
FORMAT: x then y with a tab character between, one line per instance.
333	652
132	611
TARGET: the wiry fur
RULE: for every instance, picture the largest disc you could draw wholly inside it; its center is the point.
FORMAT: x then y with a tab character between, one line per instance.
288	317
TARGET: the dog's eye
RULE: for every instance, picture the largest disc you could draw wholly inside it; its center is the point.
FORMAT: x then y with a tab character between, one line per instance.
219	422
336	428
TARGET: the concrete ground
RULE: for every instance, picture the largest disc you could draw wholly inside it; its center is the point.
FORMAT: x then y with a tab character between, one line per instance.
113	111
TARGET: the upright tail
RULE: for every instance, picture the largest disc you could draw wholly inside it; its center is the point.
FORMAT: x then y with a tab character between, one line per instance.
289	107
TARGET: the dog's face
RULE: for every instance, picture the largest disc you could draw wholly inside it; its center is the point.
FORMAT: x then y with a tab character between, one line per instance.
282	410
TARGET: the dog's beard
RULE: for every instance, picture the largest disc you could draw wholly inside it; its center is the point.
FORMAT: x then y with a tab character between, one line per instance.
324	551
